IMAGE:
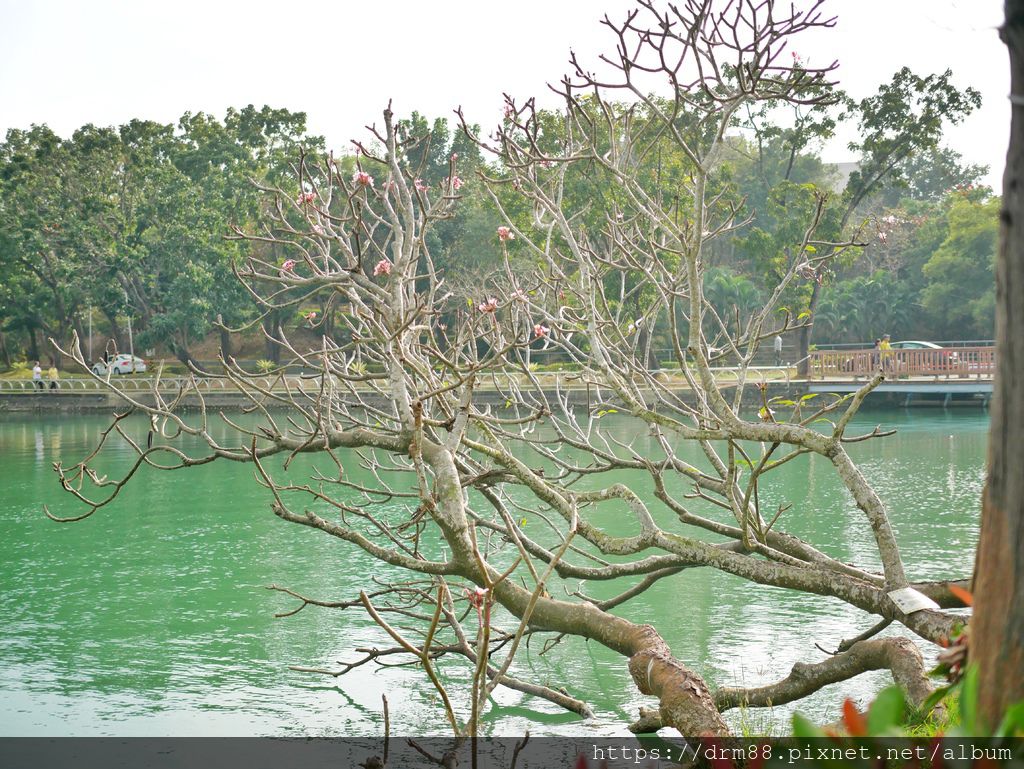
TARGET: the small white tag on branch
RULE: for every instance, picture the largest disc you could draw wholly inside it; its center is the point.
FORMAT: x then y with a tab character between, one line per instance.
908	600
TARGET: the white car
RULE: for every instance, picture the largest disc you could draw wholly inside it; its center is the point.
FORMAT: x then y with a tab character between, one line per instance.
120	364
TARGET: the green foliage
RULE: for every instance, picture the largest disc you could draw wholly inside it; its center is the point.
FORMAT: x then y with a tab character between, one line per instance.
960	289
133	220
890	716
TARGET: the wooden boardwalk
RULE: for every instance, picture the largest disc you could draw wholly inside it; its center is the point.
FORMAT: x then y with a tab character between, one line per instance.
938	376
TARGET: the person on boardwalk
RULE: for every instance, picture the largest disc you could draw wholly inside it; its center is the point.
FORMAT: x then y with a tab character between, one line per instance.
778	349
885	350
37	376
53	375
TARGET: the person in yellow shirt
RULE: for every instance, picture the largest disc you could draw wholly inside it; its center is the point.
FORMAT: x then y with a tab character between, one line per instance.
886	352
53	376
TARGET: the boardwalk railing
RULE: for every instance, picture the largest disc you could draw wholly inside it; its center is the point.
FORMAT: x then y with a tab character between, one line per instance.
960	362
130	384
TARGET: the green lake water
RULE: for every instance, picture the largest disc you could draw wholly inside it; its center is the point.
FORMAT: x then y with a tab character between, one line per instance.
153	617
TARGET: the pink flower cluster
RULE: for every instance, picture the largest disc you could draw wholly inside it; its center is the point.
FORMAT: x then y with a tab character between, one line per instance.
287	266
420	185
362	179
383	267
477	597
456	183
306	197
491	305
505	233
540	331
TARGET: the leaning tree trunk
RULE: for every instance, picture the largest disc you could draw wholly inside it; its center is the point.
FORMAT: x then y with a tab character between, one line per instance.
998	624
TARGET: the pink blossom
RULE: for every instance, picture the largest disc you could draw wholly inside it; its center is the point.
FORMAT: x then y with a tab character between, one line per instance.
505	233
318	229
383	267
310	316
455	156
509	111
287	266
477	596
362	178
420	185
539	331
456	183
519	295
306	197
490	305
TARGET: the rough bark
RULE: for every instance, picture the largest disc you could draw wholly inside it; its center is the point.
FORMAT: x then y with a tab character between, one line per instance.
898	655
998	624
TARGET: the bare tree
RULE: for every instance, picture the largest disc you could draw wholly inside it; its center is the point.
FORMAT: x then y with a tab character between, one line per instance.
455	425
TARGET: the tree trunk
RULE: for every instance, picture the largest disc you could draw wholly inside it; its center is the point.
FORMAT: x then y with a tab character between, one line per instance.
115	331
33	343
271	331
225	340
804	337
998	623
183	354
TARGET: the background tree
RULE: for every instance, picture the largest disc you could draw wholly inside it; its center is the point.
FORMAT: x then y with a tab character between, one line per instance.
904	118
959	276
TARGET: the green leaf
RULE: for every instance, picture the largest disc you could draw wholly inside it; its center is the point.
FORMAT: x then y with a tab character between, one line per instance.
804	729
887	711
808	397
469	302
811	249
969	719
935	698
1013	722
804	314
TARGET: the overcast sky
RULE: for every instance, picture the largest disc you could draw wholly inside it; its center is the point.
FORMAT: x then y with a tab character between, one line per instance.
67	62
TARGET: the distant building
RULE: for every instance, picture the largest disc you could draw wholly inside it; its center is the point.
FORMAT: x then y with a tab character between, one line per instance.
842	174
